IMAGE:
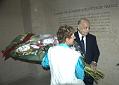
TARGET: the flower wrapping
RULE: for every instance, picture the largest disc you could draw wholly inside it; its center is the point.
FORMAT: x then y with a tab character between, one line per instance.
29	47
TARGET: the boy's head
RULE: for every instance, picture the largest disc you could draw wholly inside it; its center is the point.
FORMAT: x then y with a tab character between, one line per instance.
65	34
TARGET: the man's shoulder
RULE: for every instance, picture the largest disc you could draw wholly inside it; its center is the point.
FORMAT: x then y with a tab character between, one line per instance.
91	35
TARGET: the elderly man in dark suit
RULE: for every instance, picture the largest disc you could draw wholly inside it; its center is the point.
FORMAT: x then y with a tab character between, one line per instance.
89	47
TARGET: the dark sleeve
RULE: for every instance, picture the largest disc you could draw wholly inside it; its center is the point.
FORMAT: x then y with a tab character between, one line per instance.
96	51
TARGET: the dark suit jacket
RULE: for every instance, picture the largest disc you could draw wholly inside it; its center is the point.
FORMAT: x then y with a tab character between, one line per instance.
92	50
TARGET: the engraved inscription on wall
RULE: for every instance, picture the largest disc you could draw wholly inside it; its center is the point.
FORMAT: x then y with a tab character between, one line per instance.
99	16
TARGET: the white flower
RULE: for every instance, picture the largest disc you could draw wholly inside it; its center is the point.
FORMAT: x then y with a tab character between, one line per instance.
23	48
48	41
35	46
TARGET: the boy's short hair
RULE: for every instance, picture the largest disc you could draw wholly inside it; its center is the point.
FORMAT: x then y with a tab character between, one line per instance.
64	31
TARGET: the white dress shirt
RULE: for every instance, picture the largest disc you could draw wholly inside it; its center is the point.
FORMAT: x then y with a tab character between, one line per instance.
80	36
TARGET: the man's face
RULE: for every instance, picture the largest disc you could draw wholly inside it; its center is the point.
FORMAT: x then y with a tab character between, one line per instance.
84	27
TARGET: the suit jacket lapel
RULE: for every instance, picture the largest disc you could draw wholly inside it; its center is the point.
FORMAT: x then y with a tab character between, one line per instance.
77	38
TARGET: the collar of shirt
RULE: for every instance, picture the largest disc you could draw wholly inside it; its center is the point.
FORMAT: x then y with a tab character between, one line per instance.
64	45
80	36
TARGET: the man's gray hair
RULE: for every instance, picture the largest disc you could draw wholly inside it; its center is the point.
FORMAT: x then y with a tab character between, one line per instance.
83	19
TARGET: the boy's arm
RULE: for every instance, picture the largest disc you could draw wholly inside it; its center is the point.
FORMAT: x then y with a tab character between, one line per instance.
45	62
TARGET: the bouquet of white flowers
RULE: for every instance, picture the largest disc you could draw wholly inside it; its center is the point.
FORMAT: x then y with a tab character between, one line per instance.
29	47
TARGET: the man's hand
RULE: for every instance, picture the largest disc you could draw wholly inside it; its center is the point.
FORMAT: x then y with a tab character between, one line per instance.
93	65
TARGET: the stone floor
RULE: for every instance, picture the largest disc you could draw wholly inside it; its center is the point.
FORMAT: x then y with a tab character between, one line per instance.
32	81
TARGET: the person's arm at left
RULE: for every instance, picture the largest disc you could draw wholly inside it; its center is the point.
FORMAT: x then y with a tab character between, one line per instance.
79	69
45	62
96	51
96	54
